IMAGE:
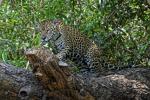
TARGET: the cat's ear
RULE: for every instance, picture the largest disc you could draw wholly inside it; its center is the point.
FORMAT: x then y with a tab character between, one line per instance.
57	22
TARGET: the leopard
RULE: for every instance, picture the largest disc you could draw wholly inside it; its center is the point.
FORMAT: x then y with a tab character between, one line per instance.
73	44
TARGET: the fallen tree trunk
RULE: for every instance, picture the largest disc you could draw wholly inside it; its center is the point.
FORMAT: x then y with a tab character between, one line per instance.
50	80
18	84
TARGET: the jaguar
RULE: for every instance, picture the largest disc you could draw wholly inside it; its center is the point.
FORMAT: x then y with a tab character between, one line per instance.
70	43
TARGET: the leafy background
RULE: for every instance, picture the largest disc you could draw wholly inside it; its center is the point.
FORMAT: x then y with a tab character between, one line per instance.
120	27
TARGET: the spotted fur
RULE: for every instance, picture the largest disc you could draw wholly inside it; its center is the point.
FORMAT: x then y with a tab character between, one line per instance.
72	44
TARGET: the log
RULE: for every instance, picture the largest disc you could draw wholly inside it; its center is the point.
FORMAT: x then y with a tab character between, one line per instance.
50	80
18	84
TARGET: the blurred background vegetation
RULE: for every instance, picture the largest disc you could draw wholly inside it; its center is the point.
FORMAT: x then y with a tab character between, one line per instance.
120	27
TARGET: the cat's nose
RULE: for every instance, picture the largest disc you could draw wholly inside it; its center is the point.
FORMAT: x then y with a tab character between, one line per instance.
43	38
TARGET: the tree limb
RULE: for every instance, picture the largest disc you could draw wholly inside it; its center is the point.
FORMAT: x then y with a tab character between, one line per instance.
51	81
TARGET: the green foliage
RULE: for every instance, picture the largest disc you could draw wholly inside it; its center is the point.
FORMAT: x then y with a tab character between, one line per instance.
120	27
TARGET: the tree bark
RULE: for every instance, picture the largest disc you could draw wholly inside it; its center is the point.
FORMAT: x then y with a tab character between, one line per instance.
52	80
18	84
